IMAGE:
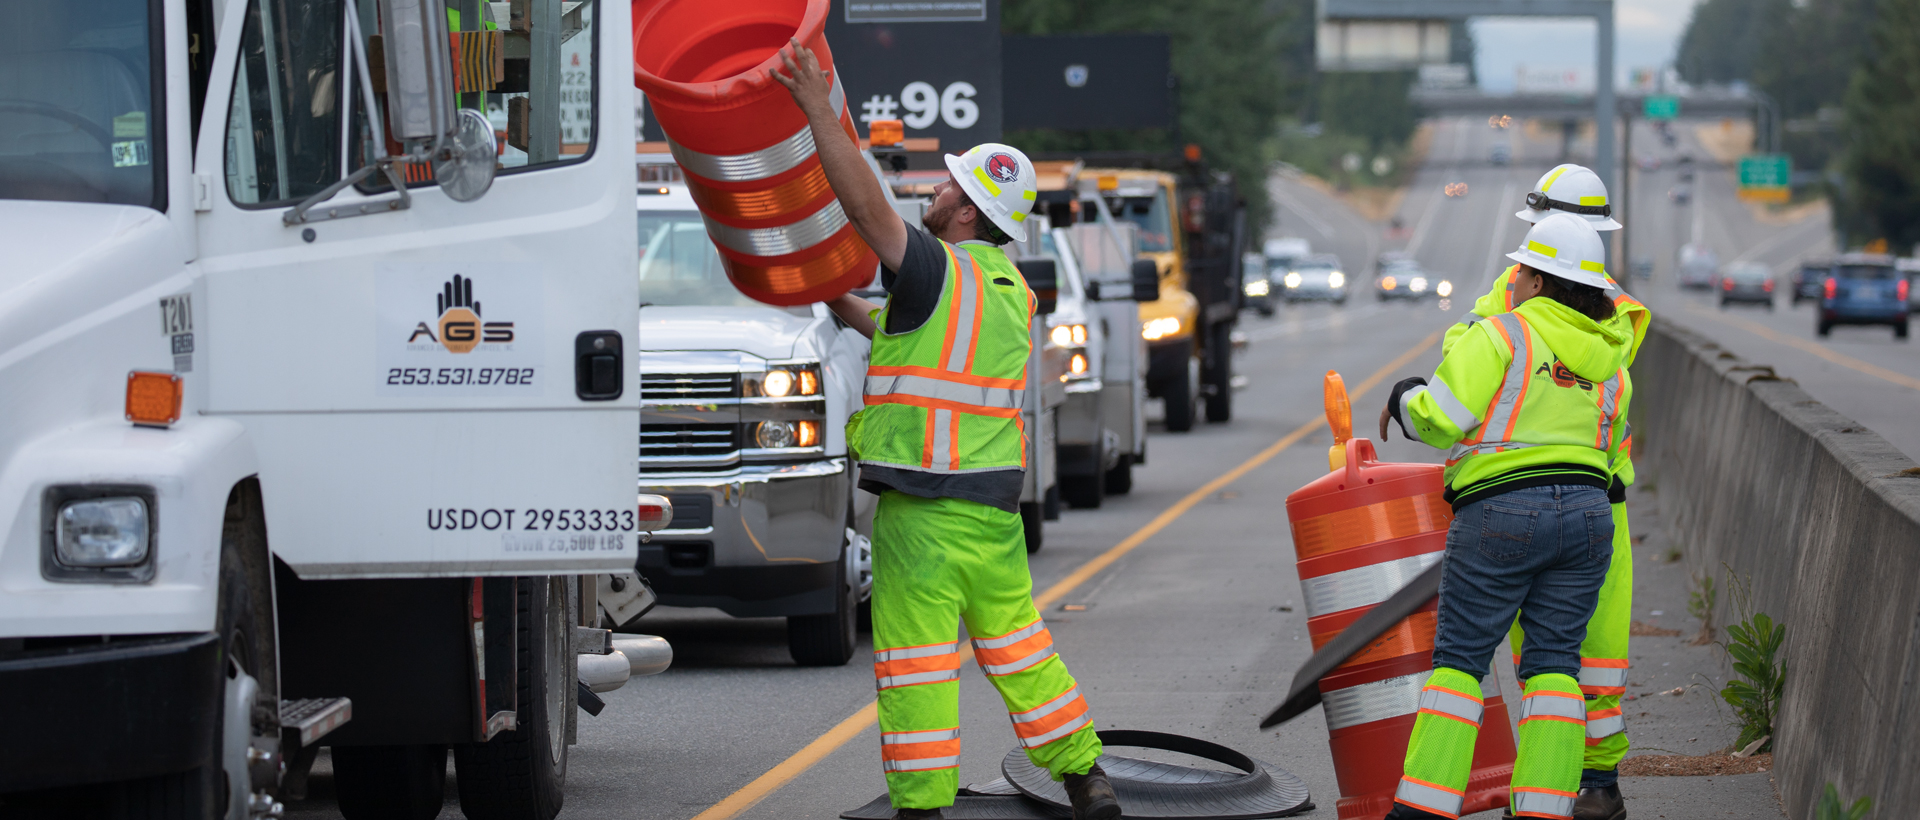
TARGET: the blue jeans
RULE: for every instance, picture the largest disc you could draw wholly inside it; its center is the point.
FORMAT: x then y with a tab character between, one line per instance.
1539	551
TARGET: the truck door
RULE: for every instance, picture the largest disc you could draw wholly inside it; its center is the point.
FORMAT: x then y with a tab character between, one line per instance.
443	389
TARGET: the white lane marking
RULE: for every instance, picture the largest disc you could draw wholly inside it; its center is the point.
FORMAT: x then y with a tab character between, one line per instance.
1288	202
1499	231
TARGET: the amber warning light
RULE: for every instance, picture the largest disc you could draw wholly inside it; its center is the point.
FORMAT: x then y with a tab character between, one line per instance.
153	399
886	133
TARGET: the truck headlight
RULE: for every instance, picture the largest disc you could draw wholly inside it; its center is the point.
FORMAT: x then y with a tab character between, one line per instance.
781	382
1336	279
1069	335
1157	329
774	435
1293	280
102	532
1077	366
1258	287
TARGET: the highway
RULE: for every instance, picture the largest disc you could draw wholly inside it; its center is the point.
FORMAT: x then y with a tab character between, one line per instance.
1177	606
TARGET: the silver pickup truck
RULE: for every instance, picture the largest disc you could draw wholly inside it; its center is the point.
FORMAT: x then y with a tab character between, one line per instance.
744	407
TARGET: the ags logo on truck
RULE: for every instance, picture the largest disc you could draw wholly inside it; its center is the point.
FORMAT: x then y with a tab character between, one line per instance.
463	348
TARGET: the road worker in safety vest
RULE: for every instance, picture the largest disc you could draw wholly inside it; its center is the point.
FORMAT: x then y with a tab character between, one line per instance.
1529	402
1603	655
940	440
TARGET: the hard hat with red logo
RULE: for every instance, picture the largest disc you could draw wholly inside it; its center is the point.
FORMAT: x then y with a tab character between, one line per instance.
1000	181
1572	189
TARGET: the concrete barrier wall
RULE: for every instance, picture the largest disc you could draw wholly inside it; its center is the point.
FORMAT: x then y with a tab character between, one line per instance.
1815	511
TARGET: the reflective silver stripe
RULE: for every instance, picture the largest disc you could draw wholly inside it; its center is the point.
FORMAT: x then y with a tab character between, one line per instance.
1047	708
1063	730
769	161
884	655
1363	586
1554	805
790	238
920	765
1002	398
933	736
1430	798
1598	728
1368	702
1469	318
1515	382
1462	451
1609	405
942	440
916	679
1011	638
1036	656
1448	703
1603	676
968	277
1545	704
1451	405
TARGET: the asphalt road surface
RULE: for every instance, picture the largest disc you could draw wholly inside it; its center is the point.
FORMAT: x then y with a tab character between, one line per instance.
1177	606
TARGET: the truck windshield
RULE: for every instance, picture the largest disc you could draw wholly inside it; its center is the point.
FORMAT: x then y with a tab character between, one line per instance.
678	265
80	105
1151	215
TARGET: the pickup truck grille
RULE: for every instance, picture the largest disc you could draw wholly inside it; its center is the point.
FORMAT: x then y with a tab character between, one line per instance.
689	386
689	440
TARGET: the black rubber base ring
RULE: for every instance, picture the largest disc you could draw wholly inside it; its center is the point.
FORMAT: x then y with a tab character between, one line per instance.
1165	791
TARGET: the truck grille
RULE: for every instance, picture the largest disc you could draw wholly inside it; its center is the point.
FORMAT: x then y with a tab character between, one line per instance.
689	386
688	440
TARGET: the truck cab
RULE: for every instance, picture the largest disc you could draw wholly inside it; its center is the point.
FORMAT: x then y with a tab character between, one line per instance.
744	410
317	398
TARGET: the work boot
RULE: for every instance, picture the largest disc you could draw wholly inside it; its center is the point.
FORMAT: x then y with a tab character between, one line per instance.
916	814
1600	803
1402	811
1092	795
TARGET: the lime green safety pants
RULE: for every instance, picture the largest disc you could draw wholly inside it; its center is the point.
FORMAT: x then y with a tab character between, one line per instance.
1603	655
937	561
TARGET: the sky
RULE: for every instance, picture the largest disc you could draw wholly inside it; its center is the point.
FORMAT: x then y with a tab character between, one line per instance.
1646	34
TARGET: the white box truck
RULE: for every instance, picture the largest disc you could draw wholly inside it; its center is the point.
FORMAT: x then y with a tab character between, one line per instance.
311	423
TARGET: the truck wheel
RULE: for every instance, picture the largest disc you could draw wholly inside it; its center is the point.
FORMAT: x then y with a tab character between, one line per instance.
521	774
1120	479
1030	521
1220	375
1177	393
1084	492
828	640
390	782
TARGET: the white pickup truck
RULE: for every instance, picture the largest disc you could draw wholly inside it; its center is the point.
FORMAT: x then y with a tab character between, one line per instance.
306	443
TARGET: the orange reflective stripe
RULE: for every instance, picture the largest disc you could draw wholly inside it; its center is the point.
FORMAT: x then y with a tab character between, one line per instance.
1052	720
948	376
916	665
953	440
937	404
1513	418
979	315
953	303
926	447
1373	523
1015	651
920	751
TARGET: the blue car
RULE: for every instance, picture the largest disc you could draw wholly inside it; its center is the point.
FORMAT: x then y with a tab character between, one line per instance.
1864	289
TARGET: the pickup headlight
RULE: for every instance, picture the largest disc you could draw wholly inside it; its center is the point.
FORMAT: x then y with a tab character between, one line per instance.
1258	287
775	435
1336	279
785	381
1156	329
1069	335
1293	279
102	532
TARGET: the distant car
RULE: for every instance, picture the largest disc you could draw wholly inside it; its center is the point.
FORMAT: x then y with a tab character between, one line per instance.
1864	289
1318	277
1697	266
1283	252
1501	155
1807	280
1407	280
1681	194
1255	283
1746	282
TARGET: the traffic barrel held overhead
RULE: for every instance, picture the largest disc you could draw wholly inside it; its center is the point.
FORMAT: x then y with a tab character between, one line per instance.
1360	533
745	147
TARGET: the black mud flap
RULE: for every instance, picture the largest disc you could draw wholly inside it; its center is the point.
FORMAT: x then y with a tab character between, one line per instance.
1246	790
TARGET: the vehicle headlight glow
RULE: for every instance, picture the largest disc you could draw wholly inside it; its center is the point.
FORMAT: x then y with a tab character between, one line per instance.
1157	329
1077	366
1258	287
1389	283
776	383
103	532
774	435
1069	335
1417	284
1444	289
784	381
1293	279
1336	280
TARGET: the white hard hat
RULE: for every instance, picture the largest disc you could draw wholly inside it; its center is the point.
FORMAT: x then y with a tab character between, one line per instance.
1571	189
1000	181
1566	246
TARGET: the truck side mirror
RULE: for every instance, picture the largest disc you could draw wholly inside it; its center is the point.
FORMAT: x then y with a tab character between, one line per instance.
1043	276
420	100
1093	290
1146	280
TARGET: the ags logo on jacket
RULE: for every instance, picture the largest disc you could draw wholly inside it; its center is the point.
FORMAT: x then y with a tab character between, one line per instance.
1563	377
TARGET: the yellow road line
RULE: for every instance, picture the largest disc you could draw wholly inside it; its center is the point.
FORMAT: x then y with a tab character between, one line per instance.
1815	348
859	722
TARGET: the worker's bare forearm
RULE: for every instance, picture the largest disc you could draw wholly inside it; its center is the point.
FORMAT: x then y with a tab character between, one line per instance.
856	312
859	191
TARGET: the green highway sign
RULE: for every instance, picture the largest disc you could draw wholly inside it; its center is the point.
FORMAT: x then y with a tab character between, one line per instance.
1661	107
1765	176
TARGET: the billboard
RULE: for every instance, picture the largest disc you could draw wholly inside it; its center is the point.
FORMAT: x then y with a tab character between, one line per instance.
1088	81
932	64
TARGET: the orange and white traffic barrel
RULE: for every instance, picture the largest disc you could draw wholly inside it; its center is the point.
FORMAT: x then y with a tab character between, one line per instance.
746	149
1360	533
